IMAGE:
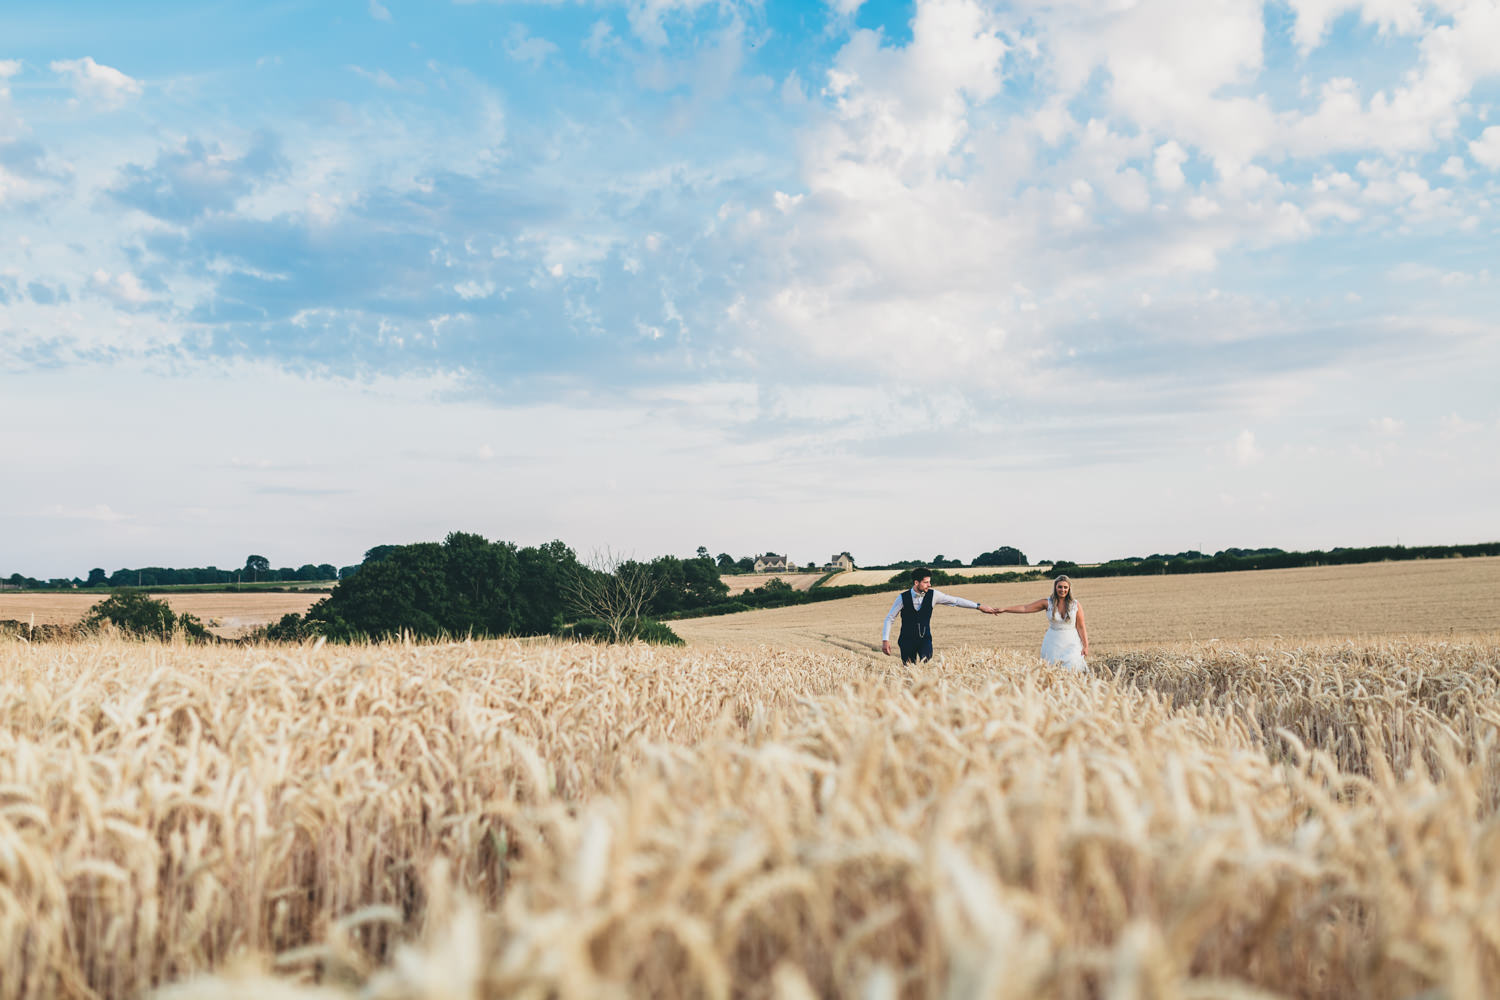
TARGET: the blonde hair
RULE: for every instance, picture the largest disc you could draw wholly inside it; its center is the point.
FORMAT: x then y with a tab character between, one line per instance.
1068	600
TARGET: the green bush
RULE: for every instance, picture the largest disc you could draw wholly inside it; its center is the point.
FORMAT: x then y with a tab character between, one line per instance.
292	628
646	630
586	630
657	633
138	614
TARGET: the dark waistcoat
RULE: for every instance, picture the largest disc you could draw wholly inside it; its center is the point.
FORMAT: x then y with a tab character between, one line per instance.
915	620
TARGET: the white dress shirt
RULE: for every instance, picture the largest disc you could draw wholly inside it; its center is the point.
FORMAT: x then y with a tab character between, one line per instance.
938	597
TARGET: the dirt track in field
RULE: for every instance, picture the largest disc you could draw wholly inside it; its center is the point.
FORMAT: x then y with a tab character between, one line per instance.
1424	598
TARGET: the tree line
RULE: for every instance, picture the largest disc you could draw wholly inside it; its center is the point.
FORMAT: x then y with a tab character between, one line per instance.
468	585
775	593
257	569
1235	559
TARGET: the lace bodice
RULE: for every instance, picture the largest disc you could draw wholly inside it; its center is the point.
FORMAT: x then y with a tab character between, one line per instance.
1055	619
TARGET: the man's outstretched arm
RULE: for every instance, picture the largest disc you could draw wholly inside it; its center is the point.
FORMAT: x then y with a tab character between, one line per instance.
938	597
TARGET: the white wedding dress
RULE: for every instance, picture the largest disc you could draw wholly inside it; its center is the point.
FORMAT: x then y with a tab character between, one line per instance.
1062	645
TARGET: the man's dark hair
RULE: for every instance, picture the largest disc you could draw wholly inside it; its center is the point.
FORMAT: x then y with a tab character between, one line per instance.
918	573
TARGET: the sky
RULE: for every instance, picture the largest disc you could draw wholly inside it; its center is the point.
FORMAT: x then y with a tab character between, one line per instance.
1091	278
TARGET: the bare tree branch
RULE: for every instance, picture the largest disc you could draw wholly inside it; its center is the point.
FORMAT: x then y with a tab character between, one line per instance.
613	588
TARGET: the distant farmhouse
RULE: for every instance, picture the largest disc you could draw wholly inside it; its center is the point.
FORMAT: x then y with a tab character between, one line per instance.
771	563
841	563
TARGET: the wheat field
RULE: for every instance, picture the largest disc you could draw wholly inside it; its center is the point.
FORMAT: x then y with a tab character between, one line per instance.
738	583
229	614
1434	598
492	819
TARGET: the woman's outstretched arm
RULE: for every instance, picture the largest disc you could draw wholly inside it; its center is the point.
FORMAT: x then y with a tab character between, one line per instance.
1024	609
1083	632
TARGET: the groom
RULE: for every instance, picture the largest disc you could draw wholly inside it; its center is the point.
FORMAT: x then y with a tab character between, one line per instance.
915	608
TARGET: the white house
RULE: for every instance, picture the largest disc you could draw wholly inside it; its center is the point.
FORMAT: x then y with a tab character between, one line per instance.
772	563
841	563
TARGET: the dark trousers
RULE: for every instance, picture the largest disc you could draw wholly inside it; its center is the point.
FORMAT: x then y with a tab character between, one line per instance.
913	650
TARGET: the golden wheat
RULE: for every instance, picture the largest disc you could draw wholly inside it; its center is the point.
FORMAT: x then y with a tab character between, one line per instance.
496	819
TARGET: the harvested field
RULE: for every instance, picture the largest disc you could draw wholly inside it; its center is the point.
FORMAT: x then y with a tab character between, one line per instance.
226	614
739	583
496	820
1433	597
876	577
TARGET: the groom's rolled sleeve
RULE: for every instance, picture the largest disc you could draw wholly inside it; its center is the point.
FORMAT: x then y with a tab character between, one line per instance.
885	636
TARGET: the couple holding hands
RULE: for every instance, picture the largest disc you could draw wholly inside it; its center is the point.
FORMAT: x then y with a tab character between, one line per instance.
1066	642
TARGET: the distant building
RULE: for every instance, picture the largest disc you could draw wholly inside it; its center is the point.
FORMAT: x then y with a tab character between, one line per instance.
841	563
771	563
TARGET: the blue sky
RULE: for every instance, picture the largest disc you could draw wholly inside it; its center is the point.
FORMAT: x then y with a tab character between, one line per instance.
1090	278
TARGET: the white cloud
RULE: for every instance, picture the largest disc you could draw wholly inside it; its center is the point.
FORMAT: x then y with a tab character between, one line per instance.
1167	64
379	77
1174	67
1402	17
1052	121
471	290
792	91
646	17
1456	425
124	288
1455	168
96	83
525	47
1427	104
379	11
1333	208
601	37
1167	165
1245	450
1486	149
1388	425
1201	207
98	512
903	110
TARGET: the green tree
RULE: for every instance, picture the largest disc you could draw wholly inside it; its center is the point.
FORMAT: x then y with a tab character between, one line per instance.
546	573
380	553
1005	555
97	577
466	585
256	567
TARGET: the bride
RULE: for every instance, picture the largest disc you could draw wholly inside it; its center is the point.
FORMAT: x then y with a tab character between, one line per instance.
1067	640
